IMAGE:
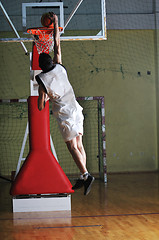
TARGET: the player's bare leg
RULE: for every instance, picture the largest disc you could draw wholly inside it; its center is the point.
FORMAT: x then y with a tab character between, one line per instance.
81	148
75	146
77	151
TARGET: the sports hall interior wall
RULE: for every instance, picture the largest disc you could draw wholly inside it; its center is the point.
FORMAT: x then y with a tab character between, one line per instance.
110	69
123	69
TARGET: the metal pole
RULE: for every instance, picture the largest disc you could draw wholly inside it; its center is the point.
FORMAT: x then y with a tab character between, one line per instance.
72	13
12	26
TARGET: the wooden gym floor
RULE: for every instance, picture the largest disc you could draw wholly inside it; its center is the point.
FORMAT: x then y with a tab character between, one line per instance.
127	208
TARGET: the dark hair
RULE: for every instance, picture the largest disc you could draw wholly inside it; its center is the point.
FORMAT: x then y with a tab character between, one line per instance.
45	62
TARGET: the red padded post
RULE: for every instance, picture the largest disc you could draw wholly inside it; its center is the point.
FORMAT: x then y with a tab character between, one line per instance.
40	173
35	58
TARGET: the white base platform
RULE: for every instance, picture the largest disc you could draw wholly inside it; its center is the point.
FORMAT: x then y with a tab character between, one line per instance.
34	204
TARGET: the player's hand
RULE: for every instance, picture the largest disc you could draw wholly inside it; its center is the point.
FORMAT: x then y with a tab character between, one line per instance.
53	17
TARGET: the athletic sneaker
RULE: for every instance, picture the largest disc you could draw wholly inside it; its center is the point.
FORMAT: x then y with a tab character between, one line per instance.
79	183
88	184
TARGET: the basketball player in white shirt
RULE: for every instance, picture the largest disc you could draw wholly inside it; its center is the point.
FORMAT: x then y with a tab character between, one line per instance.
54	85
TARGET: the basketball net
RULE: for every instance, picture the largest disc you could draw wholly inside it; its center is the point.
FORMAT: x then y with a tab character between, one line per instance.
43	39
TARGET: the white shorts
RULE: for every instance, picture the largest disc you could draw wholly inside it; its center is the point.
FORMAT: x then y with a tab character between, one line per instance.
71	129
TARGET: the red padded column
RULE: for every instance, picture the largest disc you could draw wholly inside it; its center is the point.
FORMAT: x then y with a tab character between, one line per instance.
39	125
35	58
40	173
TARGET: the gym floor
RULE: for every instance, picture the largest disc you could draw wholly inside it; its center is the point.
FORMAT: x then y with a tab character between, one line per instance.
127	207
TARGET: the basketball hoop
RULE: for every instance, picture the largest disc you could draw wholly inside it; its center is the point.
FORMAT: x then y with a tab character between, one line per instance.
43	38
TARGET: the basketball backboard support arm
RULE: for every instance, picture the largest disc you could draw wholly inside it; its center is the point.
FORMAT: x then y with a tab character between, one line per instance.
72	13
12	26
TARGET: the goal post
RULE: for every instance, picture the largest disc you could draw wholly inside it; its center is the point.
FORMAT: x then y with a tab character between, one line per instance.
101	134
13	125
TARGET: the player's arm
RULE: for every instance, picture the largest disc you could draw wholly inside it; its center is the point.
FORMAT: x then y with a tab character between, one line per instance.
42	93
57	47
41	98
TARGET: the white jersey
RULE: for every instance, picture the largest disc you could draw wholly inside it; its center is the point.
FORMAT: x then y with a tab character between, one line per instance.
64	105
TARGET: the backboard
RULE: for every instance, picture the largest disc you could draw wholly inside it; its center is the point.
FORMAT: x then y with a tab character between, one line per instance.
80	19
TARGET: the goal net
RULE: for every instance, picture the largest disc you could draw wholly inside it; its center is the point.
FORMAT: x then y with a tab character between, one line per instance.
13	122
